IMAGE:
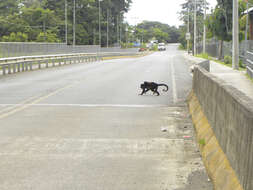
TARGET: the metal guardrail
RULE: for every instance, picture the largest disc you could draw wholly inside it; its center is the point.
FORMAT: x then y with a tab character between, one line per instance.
249	66
26	63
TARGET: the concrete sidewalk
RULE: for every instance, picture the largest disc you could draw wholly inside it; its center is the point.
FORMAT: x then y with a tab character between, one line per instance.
237	79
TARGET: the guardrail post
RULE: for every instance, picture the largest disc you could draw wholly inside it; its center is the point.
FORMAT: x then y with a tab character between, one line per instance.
3	68
23	67
18	67
14	67
39	63
26	66
9	68
31	66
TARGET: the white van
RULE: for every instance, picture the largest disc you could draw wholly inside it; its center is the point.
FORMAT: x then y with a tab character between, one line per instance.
161	47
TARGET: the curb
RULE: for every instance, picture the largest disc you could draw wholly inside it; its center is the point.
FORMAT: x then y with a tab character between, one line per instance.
215	160
122	57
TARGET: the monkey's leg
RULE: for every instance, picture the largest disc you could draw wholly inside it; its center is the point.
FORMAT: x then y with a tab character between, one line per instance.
158	94
143	91
146	90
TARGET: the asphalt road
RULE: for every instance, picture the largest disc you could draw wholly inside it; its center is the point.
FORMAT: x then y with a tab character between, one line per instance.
84	126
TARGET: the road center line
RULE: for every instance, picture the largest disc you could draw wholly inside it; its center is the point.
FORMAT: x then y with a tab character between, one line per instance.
21	107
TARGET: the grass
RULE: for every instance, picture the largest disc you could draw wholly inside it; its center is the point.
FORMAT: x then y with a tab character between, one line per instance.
202	142
206	56
241	68
251	79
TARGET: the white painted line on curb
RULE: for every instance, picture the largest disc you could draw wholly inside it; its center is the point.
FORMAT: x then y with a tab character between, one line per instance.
174	87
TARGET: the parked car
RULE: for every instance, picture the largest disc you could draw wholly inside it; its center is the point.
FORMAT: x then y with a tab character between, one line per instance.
142	49
161	47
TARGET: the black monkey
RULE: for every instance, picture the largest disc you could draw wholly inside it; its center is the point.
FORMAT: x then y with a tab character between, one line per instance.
146	86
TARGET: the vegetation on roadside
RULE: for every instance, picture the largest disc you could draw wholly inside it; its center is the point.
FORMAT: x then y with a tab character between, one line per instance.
218	22
251	79
227	60
202	142
44	21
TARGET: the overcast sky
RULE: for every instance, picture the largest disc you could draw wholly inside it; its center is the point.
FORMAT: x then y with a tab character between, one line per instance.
164	11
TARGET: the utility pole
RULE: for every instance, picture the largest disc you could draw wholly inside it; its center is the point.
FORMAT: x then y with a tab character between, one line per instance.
235	52
120	28
99	22
66	22
195	27
107	38
188	29
204	34
246	33
74	23
44	30
117	29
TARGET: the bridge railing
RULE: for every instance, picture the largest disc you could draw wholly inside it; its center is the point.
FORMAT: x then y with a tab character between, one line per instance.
249	63
14	49
25	63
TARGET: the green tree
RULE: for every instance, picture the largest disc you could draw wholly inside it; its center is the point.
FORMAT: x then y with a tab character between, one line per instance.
47	37
184	17
219	22
161	32
16	37
34	17
8	7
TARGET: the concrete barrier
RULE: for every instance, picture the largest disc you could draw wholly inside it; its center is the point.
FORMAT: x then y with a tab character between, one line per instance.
218	167
230	115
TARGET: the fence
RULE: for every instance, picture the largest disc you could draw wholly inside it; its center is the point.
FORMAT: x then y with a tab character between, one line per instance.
212	48
15	49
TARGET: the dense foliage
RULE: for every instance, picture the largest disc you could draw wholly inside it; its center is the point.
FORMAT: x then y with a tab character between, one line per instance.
184	16
44	20
218	22
148	30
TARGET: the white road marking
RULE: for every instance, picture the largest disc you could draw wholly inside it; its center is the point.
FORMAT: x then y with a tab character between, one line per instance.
174	87
90	105
35	146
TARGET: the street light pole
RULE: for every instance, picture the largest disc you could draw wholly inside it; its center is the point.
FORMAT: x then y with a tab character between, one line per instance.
235	54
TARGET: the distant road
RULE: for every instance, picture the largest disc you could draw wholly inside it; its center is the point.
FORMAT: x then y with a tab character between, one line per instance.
84	126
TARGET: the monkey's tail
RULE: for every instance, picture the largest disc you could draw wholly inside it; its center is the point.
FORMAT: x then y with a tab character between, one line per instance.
167	88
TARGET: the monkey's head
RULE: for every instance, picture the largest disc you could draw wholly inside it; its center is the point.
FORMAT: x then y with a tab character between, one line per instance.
142	86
